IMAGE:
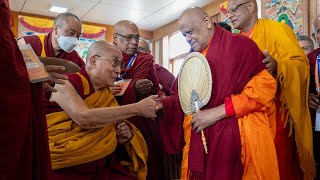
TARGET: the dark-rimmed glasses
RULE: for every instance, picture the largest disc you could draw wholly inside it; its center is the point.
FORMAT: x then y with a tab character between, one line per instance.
235	8
130	37
114	62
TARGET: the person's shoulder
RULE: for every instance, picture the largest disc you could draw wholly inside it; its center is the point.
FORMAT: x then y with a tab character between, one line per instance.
145	58
314	54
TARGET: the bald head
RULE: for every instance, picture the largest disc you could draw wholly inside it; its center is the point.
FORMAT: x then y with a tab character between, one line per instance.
197	27
144	46
243	14
126	36
101	46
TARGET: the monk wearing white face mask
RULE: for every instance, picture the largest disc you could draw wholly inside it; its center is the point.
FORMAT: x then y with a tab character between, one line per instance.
61	41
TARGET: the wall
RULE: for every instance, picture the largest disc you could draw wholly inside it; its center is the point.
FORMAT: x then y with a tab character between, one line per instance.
109	28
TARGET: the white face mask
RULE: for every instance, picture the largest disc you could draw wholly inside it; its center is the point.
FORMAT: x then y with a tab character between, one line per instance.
67	43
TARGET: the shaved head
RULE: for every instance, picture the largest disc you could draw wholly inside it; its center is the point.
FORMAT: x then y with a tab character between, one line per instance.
104	62
144	46
126	37
100	46
243	14
316	30
197	27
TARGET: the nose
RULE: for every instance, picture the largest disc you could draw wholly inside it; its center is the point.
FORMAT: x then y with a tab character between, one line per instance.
135	41
188	38
118	69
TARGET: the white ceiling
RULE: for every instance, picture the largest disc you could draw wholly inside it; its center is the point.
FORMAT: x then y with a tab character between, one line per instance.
147	14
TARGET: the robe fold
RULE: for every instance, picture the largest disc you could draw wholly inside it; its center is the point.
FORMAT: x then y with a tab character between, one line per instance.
42	46
165	78
238	74
78	153
294	142
142	68
25	152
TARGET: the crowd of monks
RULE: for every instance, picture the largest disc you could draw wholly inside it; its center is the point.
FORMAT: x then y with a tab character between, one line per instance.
258	123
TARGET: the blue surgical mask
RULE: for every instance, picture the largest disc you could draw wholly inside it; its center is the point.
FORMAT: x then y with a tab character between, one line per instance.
67	43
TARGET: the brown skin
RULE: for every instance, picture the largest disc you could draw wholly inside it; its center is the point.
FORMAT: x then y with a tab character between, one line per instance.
197	28
71	27
144	46
102	73
130	47
305	46
244	18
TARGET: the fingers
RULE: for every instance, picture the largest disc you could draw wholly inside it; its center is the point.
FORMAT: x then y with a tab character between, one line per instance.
159	106
313	101
49	88
266	60
266	53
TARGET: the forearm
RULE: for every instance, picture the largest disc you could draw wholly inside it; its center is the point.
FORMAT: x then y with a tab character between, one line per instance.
69	100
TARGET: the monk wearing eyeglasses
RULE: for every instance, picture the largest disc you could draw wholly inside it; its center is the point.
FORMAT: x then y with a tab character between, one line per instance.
138	66
286	61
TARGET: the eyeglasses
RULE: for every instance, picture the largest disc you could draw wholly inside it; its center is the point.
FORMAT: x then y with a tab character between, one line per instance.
130	37
235	8
114	62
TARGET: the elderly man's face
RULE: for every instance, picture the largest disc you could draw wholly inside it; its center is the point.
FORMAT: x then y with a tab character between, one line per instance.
305	45
197	32
127	40
143	47
108	64
238	13
71	27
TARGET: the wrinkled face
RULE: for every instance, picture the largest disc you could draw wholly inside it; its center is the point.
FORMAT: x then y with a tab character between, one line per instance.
197	32
105	66
71	27
127	40
305	45
238	13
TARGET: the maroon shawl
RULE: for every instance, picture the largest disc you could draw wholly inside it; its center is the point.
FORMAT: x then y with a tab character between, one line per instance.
25	150
35	42
165	78
234	60
143	69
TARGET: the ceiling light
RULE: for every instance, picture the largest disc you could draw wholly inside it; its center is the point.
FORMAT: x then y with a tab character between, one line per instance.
57	9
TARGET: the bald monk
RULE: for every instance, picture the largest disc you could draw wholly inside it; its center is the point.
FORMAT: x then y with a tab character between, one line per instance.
286	61
88	135
238	119
139	67
61	41
165	77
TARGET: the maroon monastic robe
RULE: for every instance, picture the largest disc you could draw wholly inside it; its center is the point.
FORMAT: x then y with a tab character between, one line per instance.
36	44
312	89
165	78
233	60
24	152
143	69
107	168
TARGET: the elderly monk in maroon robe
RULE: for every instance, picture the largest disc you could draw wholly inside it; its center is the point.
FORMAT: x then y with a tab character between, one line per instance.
88	136
60	42
165	77
25	152
238	118
139	67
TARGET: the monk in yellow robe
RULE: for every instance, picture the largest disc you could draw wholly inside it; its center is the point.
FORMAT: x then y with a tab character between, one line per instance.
286	61
88	135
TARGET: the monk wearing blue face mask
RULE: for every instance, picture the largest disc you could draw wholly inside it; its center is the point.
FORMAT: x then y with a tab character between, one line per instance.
61	41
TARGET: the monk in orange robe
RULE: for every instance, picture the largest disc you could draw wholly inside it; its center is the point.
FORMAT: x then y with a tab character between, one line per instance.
138	67
286	61
60	42
88	135
239	119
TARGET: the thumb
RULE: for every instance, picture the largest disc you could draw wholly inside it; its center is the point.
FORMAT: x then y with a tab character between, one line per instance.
153	97
266	53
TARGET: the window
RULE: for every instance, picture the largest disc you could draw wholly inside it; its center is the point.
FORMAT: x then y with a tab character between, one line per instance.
178	49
